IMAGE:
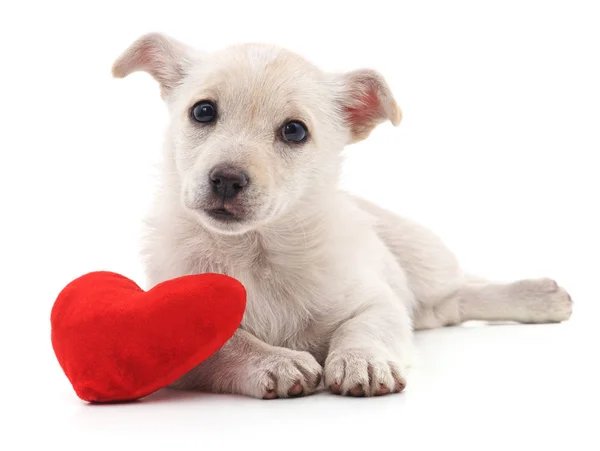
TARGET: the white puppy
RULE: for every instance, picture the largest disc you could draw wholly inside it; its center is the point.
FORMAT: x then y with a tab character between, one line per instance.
335	284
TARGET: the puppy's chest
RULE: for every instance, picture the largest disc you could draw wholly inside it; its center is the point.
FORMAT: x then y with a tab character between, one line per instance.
286	307
288	303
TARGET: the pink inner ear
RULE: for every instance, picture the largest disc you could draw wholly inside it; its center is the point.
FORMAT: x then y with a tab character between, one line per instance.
365	110
145	56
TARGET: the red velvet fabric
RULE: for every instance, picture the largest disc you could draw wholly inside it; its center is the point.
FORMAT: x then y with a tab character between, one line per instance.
117	342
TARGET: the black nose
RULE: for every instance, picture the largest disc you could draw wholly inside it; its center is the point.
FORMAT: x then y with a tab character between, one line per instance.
227	182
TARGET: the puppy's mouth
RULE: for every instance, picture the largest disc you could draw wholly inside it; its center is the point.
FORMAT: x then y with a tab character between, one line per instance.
222	214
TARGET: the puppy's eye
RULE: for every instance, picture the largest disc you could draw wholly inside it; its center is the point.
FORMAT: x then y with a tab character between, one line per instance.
294	132
204	111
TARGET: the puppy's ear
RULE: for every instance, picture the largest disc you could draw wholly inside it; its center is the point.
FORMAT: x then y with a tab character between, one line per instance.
366	101
163	57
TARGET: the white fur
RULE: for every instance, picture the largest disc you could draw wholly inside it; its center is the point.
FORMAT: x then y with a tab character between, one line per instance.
336	285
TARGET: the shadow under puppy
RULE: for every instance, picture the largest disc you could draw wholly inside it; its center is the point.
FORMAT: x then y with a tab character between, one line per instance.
249	188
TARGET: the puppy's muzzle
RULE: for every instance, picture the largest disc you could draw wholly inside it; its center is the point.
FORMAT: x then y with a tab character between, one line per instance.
227	181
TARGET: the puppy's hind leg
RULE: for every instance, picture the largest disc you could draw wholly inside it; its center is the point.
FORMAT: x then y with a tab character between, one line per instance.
524	301
446	296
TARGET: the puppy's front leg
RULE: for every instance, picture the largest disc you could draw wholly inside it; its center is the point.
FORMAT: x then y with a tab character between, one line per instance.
247	366
369	352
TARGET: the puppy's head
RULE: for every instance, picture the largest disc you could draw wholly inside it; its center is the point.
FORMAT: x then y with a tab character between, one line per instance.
255	129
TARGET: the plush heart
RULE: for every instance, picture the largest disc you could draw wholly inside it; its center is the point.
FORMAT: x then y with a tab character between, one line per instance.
117	342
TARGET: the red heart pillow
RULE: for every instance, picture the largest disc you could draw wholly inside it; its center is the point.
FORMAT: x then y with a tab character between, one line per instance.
117	342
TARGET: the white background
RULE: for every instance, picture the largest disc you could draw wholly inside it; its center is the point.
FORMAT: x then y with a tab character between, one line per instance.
497	153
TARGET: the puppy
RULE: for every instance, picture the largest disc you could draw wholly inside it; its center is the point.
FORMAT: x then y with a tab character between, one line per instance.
336	285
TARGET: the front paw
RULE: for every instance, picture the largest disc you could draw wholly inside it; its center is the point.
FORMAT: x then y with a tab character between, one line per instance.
361	372
283	374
